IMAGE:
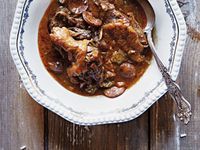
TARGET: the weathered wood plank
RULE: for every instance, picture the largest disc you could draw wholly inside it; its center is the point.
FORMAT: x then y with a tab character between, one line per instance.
22	123
190	78
21	119
125	136
166	132
65	135
190	81
164	129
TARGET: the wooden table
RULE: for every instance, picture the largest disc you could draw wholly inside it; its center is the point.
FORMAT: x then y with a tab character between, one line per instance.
26	125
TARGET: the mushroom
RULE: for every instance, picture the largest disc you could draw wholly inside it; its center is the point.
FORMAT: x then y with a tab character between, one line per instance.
91	20
106	5
79	33
64	18
77	6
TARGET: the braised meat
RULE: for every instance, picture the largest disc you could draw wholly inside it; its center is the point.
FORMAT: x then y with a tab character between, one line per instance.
63	38
94	47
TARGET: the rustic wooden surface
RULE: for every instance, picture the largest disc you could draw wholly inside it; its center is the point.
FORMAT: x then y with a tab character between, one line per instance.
26	125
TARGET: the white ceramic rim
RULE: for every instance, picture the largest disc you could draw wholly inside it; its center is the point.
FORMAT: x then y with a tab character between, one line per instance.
113	118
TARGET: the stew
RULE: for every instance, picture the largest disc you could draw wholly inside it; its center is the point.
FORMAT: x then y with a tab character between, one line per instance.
94	47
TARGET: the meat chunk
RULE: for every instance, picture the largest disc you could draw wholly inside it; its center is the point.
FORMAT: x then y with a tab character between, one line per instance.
62	38
124	28
86	70
138	29
124	36
97	42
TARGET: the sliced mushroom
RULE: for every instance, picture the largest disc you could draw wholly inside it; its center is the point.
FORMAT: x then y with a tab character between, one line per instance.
116	16
59	19
80	34
76	21
91	20
127	70
77	6
114	92
106	5
64	18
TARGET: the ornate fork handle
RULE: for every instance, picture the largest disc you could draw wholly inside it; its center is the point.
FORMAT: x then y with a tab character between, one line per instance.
183	106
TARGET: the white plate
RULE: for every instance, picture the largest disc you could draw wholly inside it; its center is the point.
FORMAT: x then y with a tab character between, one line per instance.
170	35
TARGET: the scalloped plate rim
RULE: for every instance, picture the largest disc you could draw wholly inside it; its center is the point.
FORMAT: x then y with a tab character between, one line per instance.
112	118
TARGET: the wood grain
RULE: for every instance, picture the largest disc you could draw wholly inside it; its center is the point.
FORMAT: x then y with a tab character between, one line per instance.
25	123
190	81
126	136
166	131
21	119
